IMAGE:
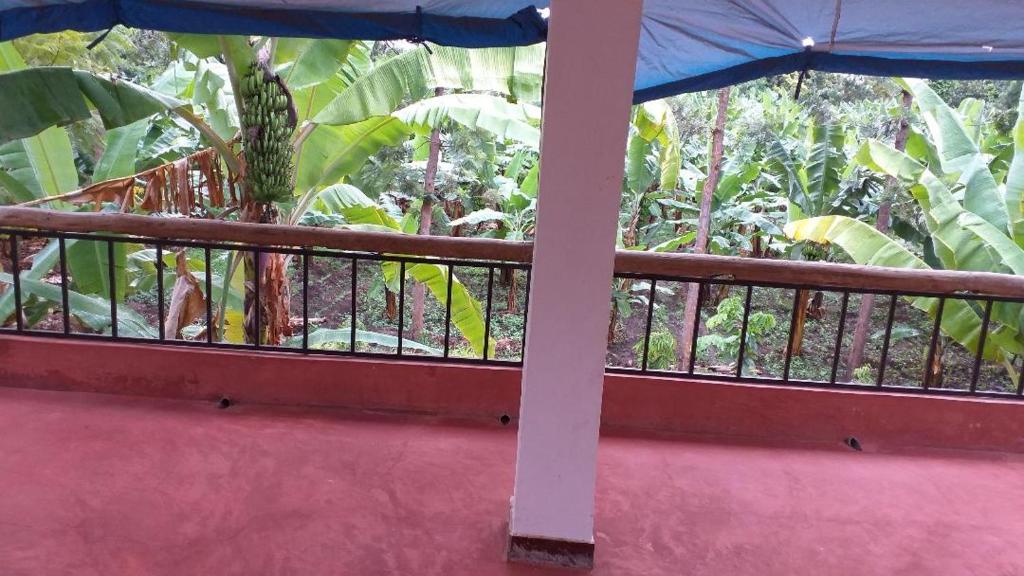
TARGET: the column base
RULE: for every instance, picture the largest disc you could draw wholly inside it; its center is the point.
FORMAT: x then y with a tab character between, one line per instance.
550	552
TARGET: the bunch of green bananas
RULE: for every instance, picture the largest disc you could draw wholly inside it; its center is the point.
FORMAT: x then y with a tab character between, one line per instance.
267	126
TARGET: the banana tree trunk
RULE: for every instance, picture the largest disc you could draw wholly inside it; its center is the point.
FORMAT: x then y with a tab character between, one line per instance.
426	214
867	301
613	322
508	280
690	315
454	211
798	323
933	371
267	321
390	305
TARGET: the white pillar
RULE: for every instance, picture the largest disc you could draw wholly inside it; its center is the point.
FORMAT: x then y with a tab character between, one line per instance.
591	58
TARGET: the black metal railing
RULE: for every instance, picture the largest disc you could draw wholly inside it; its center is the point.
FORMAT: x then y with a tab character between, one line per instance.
401	346
714	347
821	367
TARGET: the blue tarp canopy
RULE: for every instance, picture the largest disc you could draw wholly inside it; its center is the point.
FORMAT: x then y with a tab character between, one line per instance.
685	45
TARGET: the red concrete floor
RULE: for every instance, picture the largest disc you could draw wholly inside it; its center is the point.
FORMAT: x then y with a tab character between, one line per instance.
105	485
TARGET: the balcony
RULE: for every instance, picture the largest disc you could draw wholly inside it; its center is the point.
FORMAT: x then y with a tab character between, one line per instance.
117	484
174	454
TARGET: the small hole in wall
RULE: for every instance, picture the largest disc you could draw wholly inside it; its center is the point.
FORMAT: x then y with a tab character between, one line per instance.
853	443
505	419
224	403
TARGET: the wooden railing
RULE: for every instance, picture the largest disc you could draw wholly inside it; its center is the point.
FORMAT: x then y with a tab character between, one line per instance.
690	266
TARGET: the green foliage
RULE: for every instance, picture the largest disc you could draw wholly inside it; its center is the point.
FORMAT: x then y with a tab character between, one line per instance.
360	212
47	97
863	375
506	121
725	328
137	55
972	225
514	72
41	164
340	339
365	111
661	350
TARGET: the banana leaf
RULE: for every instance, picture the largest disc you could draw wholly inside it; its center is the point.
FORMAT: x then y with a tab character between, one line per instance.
495	115
516	72
332	152
959	154
360	210
57	96
92	311
120	151
1015	180
305	62
867	246
341	337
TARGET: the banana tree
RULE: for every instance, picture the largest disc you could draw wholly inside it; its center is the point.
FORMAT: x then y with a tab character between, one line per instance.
370	106
360	212
972	217
313	85
818	179
37	164
514	213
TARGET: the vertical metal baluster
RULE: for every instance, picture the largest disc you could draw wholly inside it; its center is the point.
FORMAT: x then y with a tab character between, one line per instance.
257	301
208	270
792	335
981	346
401	304
934	342
160	288
696	328
526	313
650	320
66	313
743	333
16	277
839	338
448	310
885	344
111	274
305	301
487	315
352	320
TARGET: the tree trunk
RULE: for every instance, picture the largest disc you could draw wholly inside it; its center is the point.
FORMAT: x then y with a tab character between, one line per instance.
426	216
691	314
799	321
454	211
933	372
390	305
272	310
867	301
508	280
816	308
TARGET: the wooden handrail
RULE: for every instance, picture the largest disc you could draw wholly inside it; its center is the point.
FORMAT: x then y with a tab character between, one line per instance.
828	275
266	234
690	266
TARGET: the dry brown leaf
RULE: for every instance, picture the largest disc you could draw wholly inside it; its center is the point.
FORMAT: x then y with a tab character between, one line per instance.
153	201
181	187
208	164
168	187
187	301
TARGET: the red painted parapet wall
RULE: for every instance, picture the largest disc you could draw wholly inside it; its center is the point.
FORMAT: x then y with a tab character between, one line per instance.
631	403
